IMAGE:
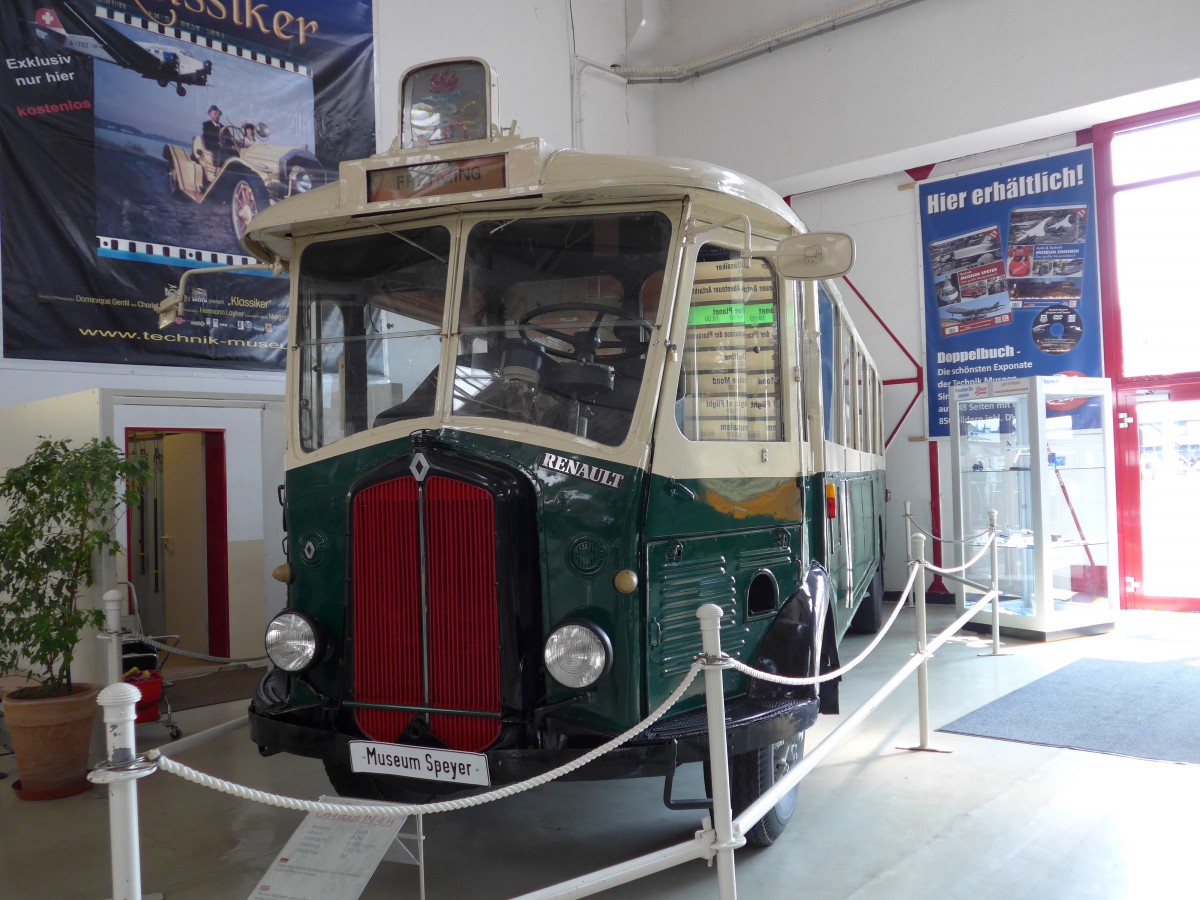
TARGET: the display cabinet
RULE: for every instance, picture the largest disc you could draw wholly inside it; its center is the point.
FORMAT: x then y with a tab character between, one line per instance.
1039	452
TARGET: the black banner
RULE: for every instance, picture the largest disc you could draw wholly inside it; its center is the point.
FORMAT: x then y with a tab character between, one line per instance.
137	139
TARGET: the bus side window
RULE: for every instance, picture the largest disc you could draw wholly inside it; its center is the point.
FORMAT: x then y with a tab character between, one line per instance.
846	387
729	382
827	317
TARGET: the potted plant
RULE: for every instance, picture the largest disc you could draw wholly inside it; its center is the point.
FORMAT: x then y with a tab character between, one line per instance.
60	507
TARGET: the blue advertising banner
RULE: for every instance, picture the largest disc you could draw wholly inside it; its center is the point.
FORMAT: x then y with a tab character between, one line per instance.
139	138
1011	276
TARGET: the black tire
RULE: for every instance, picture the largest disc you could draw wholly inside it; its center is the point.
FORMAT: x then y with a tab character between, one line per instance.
868	618
752	774
247	198
377	787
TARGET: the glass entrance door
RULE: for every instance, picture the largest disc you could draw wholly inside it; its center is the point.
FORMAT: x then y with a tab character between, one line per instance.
1158	451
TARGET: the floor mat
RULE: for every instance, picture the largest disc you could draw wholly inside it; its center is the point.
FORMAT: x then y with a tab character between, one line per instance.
1150	710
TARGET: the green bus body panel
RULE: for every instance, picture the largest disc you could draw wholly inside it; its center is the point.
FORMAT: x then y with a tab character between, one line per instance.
572	511
687	572
697	541
860	498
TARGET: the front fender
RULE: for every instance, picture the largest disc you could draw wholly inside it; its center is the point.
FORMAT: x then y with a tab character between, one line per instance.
799	644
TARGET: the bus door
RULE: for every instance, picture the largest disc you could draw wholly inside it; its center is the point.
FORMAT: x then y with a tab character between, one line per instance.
724	506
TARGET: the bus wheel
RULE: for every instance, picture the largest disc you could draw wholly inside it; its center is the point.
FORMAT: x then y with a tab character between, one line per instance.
752	774
868	618
371	787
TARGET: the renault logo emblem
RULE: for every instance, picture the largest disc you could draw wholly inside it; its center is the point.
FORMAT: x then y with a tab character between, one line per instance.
419	466
312	548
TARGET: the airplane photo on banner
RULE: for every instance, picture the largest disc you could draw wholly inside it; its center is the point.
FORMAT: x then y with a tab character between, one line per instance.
88	36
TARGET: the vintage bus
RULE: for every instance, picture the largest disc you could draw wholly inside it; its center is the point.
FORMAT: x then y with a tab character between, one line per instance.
542	406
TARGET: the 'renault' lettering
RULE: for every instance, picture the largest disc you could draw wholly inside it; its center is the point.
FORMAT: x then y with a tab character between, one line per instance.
581	470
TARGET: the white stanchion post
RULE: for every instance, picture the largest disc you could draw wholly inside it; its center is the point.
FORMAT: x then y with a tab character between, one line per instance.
112	632
120	772
718	751
908	534
908	523
993	527
918	555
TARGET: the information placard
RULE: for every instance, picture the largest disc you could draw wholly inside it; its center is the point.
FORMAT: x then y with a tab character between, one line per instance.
331	856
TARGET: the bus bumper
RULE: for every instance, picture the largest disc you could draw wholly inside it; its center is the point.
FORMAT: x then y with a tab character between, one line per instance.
658	751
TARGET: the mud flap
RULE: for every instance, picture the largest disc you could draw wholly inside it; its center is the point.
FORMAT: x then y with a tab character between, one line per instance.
799	643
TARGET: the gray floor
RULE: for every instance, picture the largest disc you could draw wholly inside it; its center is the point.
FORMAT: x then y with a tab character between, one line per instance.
990	819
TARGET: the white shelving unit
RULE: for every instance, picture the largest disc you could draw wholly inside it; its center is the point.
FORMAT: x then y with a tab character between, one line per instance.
1039	451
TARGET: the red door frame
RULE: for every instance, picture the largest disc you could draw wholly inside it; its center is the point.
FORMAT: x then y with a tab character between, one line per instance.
1182	385
1129	489
216	512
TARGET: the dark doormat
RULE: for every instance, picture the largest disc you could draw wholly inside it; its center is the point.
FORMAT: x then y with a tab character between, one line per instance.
217	687
1150	710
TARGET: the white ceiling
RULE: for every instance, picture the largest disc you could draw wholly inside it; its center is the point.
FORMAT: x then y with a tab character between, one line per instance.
677	31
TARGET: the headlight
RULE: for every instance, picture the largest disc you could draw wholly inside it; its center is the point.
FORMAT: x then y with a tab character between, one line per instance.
292	641
577	655
301	180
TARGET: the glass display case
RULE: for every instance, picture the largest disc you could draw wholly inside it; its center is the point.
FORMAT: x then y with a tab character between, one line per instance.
1039	451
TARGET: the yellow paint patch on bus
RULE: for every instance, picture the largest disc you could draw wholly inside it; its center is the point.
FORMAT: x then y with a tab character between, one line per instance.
777	499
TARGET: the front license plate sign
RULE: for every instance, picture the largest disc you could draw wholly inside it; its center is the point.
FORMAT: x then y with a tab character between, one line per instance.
453	766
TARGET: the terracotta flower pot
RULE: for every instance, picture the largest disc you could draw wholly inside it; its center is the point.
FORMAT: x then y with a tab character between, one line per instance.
51	738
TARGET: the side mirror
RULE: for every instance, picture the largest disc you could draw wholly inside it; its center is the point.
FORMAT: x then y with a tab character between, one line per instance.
815	255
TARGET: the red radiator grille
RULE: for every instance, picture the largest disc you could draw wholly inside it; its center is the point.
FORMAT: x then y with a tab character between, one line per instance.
464	666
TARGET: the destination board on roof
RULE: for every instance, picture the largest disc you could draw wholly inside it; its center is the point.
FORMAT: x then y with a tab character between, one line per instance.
453	176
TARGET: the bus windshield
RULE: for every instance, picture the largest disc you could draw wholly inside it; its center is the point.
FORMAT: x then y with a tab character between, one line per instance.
551	328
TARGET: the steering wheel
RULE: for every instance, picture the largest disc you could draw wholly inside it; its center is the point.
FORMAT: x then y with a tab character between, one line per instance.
585	343
231	137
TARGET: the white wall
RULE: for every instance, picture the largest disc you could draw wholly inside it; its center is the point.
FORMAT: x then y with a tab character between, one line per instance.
24	381
253	428
529	45
924	82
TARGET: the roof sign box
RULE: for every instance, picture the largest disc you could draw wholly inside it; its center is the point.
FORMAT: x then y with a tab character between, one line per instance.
447	101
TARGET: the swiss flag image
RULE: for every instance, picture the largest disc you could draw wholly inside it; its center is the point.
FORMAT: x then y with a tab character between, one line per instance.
48	18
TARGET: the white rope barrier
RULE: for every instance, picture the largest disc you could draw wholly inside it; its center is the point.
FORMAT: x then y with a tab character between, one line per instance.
978	556
944	540
717	838
167	764
800	681
192	654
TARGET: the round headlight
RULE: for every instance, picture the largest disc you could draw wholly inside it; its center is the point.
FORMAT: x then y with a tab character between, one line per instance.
301	180
291	641
577	655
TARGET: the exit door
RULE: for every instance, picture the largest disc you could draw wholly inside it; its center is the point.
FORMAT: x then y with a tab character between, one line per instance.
178	562
1158	482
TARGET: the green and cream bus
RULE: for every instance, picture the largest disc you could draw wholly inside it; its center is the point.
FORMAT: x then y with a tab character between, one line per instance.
542	406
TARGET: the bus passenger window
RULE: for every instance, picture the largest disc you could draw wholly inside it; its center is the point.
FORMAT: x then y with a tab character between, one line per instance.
827	319
729	383
846	404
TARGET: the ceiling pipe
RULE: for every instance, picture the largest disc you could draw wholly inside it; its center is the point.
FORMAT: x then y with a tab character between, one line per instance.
742	52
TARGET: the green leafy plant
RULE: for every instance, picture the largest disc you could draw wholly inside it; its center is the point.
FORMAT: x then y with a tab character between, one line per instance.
63	503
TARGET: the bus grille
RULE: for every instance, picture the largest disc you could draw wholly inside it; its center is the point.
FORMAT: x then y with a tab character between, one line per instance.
462	624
